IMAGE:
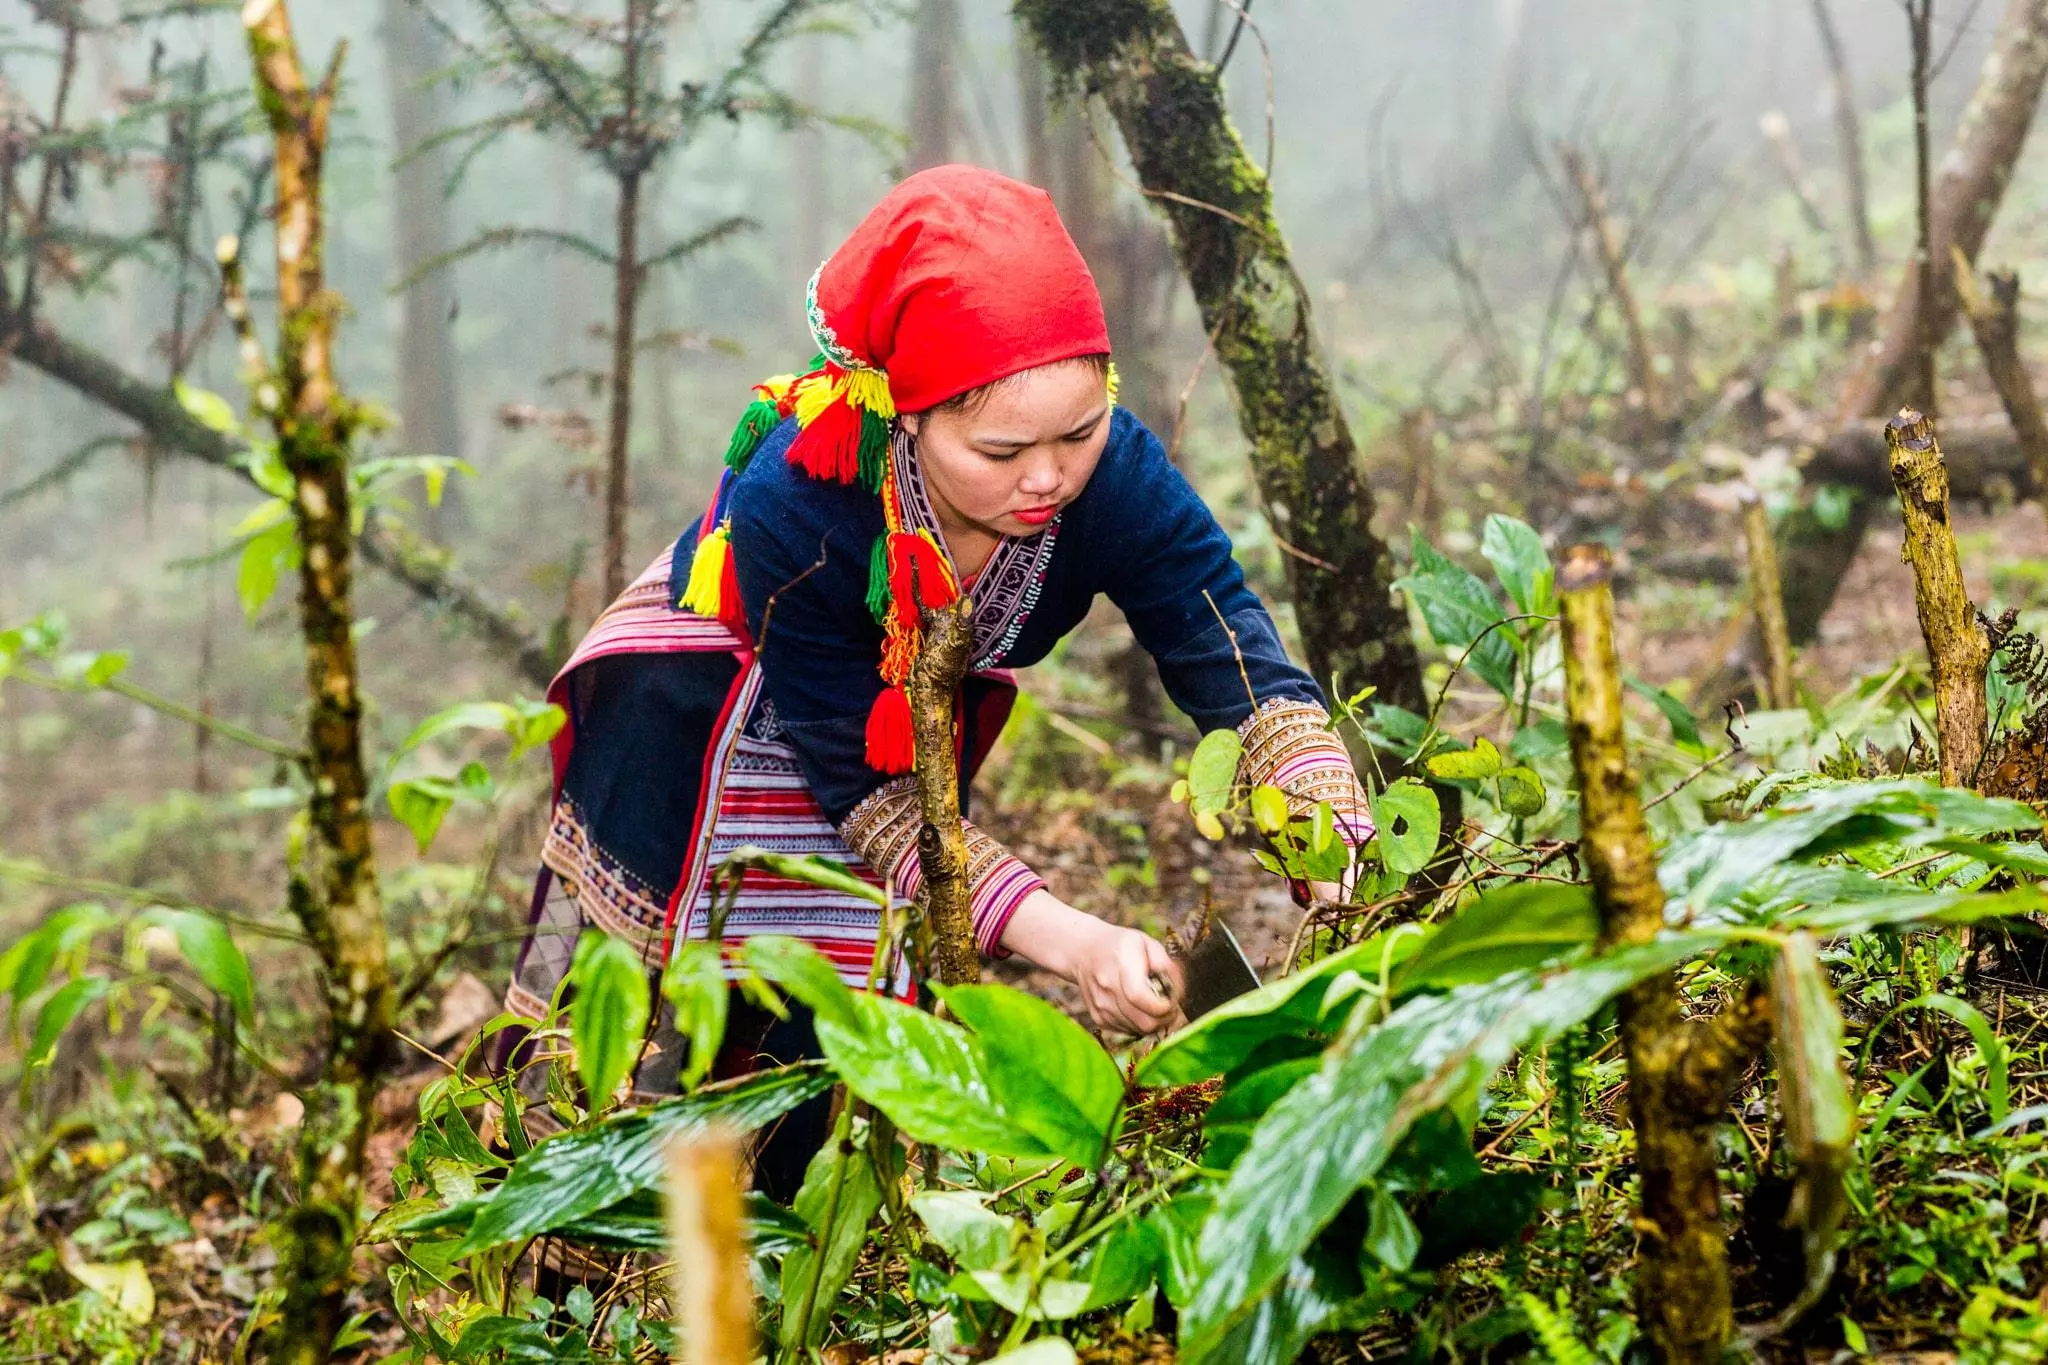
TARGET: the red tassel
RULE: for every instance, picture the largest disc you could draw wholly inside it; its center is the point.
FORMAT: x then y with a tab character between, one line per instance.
732	613
829	448
918	577
891	748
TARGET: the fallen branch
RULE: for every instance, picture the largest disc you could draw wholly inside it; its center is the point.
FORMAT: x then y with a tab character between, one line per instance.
1994	318
169	427
1642	362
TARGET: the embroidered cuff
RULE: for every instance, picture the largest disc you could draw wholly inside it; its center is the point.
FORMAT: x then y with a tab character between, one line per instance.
1289	744
883	830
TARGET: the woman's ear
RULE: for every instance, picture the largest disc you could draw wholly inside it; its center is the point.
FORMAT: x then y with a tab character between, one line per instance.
911	422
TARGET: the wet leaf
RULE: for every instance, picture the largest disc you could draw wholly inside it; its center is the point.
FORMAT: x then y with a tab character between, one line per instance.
1212	771
1522	564
1459	609
207	946
1522	792
1482	760
1269	809
695	986
421	804
1056	1082
859	1196
1508	928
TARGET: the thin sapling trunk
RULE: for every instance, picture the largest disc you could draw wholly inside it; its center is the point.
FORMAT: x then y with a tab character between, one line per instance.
941	843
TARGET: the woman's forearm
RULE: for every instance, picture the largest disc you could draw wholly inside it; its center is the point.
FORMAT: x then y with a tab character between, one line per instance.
1048	933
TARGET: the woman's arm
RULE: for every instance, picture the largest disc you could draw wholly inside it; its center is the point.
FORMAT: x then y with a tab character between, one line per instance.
1120	971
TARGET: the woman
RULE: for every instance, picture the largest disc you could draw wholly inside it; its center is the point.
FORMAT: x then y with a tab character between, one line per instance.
957	434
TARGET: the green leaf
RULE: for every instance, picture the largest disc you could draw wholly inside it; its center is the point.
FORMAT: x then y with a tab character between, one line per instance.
1485	1213
1056	1082
1226	1036
1390	1236
25	966
1333	1131
57	1013
976	1237
1212	771
534	723
213	956
1684	729
468	715
1402	729
1123	1263
859	1195
1814	1095
1269	809
420	804
265	558
1989	1045
1514	927
105	666
808	868
1522	564
1522	792
695	986
1406	816
924	1073
574	1175
207	408
512	1341
1043	1351
607	1012
1459	609
1480	761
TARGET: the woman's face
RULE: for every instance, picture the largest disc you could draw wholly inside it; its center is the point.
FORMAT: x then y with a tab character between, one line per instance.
1007	466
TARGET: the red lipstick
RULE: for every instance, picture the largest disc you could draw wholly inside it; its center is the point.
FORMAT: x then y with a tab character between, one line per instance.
1038	516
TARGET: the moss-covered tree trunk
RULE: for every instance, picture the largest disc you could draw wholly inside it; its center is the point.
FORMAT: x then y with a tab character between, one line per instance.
334	884
1169	106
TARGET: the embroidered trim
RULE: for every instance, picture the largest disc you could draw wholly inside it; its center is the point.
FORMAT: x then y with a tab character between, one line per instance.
821	330
883	829
1289	744
606	893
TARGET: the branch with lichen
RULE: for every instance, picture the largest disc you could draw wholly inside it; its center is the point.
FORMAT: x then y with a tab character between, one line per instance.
941	842
1679	1071
1767	601
1958	650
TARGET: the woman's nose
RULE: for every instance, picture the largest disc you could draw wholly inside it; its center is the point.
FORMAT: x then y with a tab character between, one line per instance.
1041	476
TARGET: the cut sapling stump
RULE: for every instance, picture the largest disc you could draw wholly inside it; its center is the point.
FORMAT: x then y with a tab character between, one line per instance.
1679	1071
941	843
1958	649
1767	594
714	1286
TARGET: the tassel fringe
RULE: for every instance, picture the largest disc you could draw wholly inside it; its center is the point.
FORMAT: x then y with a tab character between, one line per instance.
891	746
709	568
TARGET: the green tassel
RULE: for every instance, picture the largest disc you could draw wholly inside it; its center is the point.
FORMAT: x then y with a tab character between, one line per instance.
760	418
874	450
878	579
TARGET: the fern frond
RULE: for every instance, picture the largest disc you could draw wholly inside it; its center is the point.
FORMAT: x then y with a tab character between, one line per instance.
1560	1342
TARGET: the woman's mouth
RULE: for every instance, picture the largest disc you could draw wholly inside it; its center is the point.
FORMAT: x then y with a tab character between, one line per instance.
1039	515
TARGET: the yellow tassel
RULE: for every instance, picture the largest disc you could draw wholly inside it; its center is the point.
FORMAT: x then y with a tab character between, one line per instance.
707	572
814	395
775	387
1116	382
870	389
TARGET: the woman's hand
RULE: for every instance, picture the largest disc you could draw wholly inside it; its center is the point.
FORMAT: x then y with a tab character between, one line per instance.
1120	971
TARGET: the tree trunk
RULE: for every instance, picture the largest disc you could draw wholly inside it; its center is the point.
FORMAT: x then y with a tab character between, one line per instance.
334	890
625	303
1849	133
1678	1072
1957	647
934	83
1972	184
1169	107
1994	311
429	418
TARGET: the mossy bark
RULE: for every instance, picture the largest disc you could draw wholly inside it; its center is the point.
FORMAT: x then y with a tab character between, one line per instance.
1169	106
1958	649
334	889
941	843
1767	599
1679	1071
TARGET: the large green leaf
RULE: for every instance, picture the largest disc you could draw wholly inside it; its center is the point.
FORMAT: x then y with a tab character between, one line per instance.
608	1010
1314	1290
207	947
922	1072
1212	771
1523	565
64	1005
858	1195
1508	928
1230	1033
577	1174
1459	609
1333	1131
1714	865
1055	1081
976	1237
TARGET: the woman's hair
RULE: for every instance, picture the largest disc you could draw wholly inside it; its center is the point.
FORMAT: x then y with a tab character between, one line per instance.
971	401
